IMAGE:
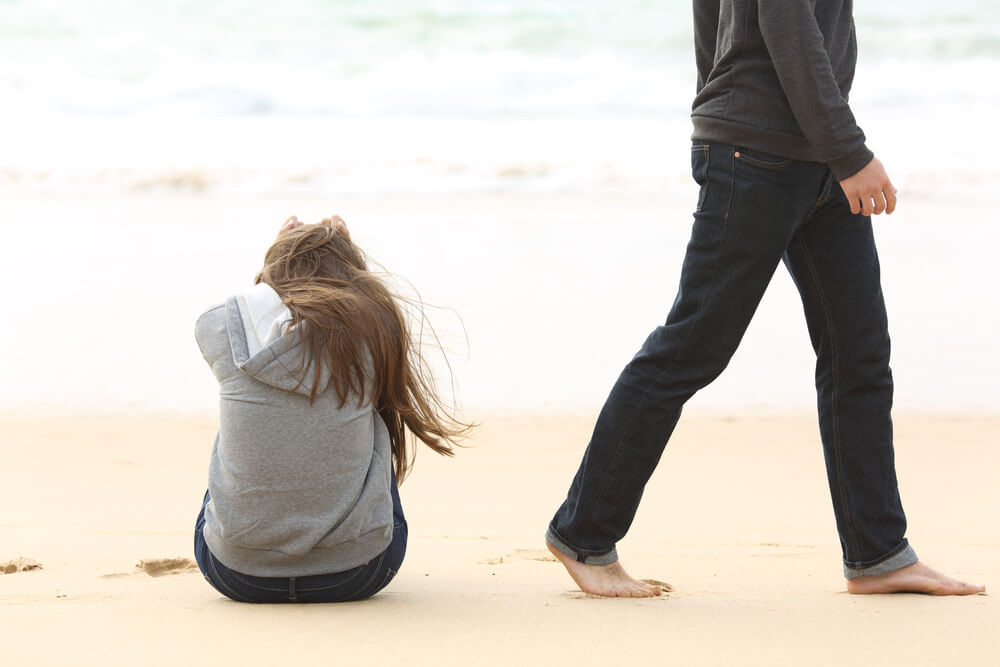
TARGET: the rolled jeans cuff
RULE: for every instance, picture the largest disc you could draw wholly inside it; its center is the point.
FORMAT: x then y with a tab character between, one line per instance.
588	559
903	556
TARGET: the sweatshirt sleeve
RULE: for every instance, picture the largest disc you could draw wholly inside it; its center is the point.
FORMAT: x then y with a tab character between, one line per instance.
795	44
706	25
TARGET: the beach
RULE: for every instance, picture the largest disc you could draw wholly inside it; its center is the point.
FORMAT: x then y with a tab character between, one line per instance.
737	520
538	301
520	172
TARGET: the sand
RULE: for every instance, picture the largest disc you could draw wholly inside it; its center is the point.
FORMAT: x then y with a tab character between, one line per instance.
737	519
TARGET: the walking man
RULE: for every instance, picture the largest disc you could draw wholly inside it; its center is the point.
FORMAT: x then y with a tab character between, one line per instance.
785	176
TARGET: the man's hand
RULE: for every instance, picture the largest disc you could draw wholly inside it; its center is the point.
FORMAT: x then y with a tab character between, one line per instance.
870	190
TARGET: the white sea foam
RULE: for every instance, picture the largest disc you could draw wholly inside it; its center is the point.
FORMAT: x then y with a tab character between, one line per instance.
112	115
310	97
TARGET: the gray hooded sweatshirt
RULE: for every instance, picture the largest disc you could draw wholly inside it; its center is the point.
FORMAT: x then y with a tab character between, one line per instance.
296	489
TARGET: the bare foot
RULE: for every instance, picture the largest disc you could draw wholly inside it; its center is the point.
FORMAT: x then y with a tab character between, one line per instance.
916	578
608	580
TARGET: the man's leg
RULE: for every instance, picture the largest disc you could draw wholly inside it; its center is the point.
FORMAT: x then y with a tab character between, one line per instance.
749	208
835	265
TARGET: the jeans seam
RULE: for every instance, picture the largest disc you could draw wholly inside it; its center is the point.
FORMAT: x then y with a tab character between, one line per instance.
763	164
835	382
621	439
827	189
375	572
313	589
703	194
824	195
577	552
732	185
217	581
259	587
892	553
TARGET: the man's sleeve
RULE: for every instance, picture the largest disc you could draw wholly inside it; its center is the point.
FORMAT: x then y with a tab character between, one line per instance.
706	26
795	43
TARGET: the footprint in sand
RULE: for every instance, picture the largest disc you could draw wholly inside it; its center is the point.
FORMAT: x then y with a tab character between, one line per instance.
662	584
521	554
19	565
158	567
535	554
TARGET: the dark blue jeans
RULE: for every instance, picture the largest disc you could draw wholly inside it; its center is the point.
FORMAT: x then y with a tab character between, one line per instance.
358	583
754	211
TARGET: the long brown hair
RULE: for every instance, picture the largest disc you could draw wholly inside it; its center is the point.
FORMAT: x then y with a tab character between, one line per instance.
351	324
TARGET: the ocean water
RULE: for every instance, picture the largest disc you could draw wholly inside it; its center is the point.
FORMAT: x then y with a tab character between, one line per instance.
148	150
383	96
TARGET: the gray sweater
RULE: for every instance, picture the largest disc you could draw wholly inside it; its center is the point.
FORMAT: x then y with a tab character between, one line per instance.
775	75
296	489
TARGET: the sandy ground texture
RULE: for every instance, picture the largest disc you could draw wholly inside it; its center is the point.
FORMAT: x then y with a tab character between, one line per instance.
737	519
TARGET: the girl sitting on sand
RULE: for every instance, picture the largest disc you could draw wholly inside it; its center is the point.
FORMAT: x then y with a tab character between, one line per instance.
318	381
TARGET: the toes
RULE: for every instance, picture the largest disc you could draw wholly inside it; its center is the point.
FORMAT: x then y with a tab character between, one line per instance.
955	587
972	589
645	591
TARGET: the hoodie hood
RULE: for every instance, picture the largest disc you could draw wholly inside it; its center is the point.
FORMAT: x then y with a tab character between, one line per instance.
265	346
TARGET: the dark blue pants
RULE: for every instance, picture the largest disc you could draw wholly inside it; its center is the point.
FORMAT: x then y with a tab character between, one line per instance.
754	211
358	583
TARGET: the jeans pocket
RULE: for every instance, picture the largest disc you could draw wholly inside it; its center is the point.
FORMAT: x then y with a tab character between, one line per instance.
699	171
374	583
216	577
761	159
